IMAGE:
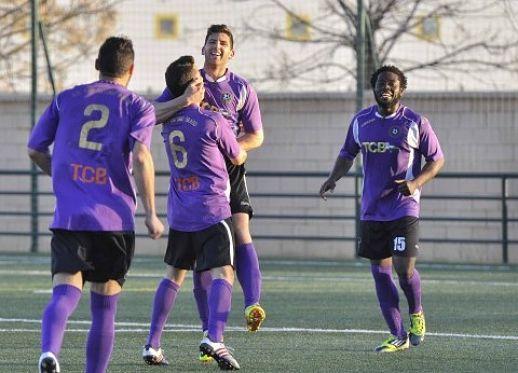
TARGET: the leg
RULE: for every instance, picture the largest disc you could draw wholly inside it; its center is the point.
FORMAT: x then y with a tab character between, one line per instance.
66	294
410	282
247	262
101	337
201	286
164	300
220	301
388	296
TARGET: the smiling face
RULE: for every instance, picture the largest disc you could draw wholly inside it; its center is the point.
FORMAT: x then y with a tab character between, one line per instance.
388	91
218	49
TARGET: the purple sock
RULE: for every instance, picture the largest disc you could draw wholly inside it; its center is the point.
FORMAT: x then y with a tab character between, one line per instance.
220	301
99	344
388	298
202	282
163	302
248	273
412	289
54	321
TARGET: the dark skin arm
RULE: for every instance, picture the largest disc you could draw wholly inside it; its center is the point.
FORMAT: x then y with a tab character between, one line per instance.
42	160
341	167
429	171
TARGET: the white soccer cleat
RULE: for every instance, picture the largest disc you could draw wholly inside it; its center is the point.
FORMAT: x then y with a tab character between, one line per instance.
48	363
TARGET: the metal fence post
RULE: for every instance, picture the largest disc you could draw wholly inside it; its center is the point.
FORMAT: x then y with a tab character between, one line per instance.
505	238
34	102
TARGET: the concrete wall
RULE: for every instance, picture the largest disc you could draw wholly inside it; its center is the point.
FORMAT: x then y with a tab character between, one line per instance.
478	133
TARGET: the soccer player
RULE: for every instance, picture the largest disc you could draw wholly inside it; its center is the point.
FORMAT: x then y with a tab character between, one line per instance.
233	97
199	215
99	131
392	139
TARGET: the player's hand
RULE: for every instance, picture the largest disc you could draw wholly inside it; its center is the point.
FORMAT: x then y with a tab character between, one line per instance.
155	228
195	92
406	187
327	187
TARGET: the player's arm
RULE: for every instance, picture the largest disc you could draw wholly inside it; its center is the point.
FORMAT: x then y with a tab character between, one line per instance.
41	159
251	140
144	173
341	167
42	136
228	144
431	150
240	159
429	171
166	109
250	117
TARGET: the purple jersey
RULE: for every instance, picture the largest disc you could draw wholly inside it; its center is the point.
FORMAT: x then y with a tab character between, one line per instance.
233	97
93	128
391	149
195	141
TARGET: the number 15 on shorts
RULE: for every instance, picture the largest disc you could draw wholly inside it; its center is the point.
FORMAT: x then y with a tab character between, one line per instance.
399	244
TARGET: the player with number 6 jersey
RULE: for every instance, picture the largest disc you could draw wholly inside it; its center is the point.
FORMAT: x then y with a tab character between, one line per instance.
198	211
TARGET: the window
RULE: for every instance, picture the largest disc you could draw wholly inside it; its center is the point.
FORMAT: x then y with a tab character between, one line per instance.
166	26
428	28
298	27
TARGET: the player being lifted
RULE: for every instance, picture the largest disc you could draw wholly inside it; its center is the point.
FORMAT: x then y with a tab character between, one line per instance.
98	130
233	97
198	211
392	139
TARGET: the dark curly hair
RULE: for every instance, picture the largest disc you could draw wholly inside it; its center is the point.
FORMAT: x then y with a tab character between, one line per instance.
392	69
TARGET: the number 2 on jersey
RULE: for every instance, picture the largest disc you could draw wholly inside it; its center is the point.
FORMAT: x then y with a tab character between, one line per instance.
99	123
178	152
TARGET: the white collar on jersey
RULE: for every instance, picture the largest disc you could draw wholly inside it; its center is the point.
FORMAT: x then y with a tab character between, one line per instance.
388	116
210	79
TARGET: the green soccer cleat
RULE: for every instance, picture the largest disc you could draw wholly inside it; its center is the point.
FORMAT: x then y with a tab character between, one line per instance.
393	344
417	328
203	357
254	316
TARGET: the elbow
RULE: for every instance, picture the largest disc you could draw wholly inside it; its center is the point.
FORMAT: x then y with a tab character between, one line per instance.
240	159
33	154
260	139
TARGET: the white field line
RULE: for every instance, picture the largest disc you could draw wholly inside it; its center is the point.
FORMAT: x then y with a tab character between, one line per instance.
283	278
134	327
27	259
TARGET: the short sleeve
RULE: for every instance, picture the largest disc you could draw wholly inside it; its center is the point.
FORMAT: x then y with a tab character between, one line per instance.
43	134
165	96
143	122
428	143
351	147
226	139
250	113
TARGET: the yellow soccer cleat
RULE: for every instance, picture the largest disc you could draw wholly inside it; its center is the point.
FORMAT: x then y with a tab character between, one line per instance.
417	328
254	316
393	344
205	359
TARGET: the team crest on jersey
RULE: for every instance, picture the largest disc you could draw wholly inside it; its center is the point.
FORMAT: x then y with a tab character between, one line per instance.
226	97
394	131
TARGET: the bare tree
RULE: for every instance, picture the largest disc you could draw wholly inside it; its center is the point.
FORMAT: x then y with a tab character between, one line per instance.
73	30
463	50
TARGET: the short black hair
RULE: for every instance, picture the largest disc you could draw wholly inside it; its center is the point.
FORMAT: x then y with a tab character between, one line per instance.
116	56
392	69
217	29
179	75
